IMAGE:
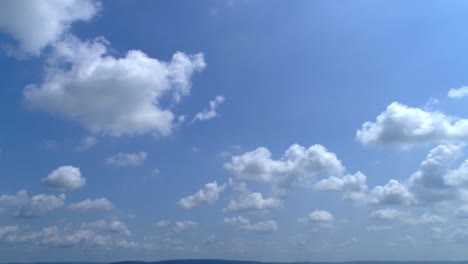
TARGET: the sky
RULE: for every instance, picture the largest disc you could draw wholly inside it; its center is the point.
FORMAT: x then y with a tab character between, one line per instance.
254	130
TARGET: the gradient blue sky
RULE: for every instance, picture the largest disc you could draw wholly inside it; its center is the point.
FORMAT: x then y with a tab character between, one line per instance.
260	130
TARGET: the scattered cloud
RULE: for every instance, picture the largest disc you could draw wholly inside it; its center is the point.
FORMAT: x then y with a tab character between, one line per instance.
209	194
378	228
254	202
24	206
211	113
319	219
403	126
458	93
394	215
259	227
106	85
388	214
40	204
127	159
65	178
348	182
83	236
112	226
182	226
88	204
299	166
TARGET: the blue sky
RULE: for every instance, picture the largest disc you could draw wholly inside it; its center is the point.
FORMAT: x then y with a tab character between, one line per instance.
279	130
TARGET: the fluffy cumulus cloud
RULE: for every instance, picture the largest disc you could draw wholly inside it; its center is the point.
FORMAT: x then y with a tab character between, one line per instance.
211	113
88	204
122	95
42	22
299	165
392	192
319	219
346	183
245	224
127	159
209	194
65	178
434	181
254	202
403	126
458	93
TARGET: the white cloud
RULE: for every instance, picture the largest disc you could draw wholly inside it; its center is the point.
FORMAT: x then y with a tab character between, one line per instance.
319	219
25	206
458	93
391	193
395	215
298	166
259	227
127	159
65	178
378	228
87	143
430	182
428	219
433	182
388	214
209	114
350	184
16	200
254	202
262	227
122	95
40	204
209	194
88	204
113	226
181	226
403	126
42	22
236	221
85	236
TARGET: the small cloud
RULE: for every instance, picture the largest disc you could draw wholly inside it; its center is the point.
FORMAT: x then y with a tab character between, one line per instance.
87	143
245	224
181	226
458	93
209	194
161	223
88	204
127	159
211	113
65	178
